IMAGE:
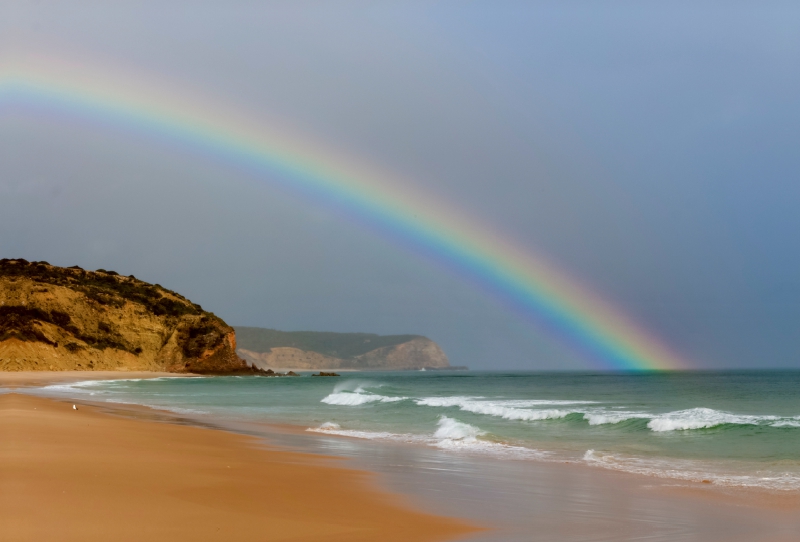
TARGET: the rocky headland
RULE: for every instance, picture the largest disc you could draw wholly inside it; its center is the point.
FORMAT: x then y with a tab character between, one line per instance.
311	350
55	318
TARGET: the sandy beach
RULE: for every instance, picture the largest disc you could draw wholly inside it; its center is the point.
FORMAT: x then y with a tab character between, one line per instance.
88	475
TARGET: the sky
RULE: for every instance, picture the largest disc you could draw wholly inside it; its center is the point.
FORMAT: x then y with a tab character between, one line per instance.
650	150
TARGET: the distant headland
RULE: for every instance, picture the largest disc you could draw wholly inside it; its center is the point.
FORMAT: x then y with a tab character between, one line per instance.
314	350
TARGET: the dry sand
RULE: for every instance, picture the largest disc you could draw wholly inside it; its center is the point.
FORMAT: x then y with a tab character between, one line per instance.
88	475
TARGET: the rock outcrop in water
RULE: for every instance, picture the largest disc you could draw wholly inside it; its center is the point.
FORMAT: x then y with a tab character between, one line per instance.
55	318
269	348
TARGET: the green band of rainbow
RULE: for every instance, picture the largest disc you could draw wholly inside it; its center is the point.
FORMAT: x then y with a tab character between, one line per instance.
524	281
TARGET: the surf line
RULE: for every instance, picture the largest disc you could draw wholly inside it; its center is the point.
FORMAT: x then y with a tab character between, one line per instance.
519	278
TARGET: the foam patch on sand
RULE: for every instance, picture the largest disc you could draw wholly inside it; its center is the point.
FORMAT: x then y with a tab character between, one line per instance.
692	471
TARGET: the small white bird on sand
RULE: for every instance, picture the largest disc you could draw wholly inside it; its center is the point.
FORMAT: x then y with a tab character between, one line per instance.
74	407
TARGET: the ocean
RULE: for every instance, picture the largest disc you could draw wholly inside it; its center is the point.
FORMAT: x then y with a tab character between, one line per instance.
738	430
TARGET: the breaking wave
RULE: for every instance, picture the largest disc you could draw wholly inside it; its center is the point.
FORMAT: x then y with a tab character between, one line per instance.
683	420
358	397
355	393
452	429
706	418
508	410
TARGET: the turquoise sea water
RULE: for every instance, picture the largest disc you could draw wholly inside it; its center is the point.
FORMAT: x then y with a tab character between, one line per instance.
735	429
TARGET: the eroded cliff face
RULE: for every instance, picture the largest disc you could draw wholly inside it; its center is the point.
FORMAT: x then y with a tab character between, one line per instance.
54	318
414	354
417	353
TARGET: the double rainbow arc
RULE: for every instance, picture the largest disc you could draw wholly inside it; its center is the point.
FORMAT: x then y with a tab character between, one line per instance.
522	280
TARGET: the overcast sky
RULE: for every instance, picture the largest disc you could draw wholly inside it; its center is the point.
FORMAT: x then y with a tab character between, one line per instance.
651	150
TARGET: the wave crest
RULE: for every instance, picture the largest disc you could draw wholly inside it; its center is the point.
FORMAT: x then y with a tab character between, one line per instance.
703	418
499	409
453	429
355	398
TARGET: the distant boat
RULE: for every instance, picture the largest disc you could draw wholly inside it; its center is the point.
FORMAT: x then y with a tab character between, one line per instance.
422	369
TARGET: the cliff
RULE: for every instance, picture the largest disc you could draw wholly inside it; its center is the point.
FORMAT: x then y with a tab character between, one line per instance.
269	348
55	318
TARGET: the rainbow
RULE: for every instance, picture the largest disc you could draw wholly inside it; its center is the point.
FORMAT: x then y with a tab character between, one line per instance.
523	281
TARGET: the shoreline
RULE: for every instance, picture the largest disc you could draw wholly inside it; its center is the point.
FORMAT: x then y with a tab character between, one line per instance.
101	477
36	379
32	379
718	512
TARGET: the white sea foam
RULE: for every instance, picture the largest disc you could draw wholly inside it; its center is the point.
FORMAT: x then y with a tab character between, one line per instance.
497	408
492	449
694	471
73	386
452	429
451	435
786	423
332	428
695	418
516	409
686	420
86	386
347	398
703	418
356	392
329	426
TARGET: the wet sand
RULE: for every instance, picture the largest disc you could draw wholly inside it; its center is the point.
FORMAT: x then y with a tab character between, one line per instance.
27	379
88	475
542	501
